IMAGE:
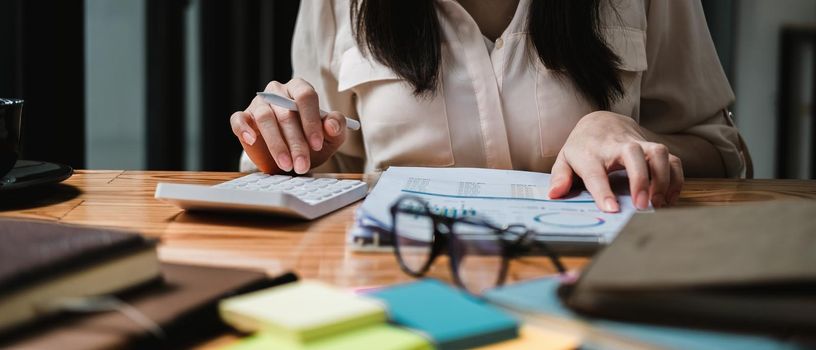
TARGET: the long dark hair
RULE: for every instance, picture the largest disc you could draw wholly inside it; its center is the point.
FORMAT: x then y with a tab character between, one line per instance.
566	34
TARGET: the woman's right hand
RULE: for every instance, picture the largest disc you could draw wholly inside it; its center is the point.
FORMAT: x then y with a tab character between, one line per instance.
279	140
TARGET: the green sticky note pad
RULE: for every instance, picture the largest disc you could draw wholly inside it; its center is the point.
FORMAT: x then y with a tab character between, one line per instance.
381	337
301	311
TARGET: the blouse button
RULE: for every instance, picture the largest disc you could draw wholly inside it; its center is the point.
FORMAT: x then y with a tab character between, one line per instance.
499	43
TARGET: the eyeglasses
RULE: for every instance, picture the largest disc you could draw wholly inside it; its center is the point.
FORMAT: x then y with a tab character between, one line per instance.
479	251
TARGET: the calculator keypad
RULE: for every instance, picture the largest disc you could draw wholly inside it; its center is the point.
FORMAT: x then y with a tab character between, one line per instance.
308	189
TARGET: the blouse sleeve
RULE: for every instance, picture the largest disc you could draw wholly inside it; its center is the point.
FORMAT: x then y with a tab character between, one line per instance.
685	90
322	34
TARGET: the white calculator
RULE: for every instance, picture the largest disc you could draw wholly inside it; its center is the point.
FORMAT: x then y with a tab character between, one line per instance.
301	197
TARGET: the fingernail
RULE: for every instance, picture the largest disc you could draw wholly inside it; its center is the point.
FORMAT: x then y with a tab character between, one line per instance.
335	127
658	200
249	139
284	161
301	167
642	200
316	141
610	205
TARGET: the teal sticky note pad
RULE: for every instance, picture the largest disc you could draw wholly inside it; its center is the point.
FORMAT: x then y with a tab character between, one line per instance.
451	318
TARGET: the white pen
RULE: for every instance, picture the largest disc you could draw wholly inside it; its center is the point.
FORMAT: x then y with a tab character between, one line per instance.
288	103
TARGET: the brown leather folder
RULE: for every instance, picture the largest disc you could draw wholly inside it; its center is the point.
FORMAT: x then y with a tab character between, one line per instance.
750	267
42	262
184	306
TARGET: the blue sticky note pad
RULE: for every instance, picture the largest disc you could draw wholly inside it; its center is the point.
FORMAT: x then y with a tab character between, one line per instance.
452	319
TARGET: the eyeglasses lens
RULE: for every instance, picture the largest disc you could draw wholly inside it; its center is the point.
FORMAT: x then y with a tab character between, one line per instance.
478	250
414	235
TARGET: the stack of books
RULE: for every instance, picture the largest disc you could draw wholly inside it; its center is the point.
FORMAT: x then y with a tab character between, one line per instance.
43	264
737	277
73	287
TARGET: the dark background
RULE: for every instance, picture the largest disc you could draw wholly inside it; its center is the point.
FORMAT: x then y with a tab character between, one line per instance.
244	45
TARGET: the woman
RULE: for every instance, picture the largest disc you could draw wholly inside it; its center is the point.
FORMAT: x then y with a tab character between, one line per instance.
578	88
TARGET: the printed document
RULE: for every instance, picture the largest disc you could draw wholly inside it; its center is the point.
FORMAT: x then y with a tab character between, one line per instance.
504	197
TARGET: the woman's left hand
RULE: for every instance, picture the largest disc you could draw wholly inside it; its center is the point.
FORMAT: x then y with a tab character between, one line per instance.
603	142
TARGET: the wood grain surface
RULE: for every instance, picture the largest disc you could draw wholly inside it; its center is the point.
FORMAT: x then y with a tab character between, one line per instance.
316	249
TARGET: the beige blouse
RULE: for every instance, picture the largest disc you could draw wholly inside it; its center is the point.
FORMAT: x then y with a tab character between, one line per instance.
500	107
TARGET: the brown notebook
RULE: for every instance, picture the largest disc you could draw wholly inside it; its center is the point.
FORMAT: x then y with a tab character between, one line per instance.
184	307
42	262
749	267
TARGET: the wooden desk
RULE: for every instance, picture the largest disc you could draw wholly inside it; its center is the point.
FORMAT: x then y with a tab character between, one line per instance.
315	249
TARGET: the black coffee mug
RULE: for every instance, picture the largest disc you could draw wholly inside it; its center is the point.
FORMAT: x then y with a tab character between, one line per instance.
10	118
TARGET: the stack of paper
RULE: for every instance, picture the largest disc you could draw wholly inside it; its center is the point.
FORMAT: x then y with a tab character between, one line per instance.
503	196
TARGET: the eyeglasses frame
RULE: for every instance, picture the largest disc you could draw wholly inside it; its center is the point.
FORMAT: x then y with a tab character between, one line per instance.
524	241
